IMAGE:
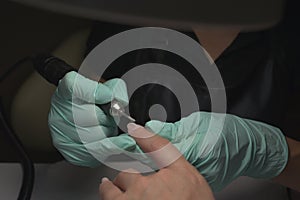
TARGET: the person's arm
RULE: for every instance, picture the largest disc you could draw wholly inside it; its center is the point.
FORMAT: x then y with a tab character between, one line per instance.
223	147
290	176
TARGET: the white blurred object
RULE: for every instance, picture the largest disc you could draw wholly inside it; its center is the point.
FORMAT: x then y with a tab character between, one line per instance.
61	181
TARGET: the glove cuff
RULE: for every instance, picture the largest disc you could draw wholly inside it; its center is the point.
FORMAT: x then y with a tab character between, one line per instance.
271	155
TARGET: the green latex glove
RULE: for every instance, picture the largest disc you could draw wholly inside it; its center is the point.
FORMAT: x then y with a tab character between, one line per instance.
243	147
77	124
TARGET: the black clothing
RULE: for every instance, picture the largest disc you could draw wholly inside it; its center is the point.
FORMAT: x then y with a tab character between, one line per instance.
259	70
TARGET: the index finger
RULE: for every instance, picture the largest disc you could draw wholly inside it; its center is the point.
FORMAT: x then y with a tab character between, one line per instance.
74	84
162	151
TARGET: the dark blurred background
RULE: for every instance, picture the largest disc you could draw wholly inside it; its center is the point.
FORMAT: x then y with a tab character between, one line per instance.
24	31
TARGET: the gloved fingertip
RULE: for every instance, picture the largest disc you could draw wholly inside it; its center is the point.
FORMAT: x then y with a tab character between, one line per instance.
103	94
155	126
118	89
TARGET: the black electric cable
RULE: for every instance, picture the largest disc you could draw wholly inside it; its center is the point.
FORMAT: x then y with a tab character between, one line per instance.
52	69
26	163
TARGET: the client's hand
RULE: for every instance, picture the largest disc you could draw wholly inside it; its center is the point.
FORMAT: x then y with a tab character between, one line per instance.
179	180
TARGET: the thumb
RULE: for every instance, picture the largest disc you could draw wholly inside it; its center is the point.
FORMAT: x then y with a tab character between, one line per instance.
158	148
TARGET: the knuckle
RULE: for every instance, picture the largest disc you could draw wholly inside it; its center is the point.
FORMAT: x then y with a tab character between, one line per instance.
196	179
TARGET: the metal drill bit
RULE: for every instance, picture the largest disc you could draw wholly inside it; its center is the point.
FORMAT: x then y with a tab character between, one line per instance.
126	115
118	110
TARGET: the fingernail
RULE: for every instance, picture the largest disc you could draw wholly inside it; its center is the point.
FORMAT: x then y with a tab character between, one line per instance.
132	127
104	179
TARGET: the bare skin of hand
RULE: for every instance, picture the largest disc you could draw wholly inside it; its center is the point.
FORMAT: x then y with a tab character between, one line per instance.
178	180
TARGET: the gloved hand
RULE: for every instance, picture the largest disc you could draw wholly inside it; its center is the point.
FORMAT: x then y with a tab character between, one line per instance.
243	147
77	124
